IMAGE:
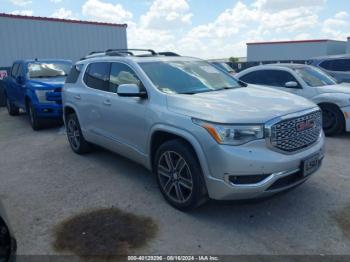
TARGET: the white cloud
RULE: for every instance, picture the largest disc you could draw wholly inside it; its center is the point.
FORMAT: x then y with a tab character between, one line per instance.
279	5
22	12
55	1
166	14
63	14
106	12
21	2
337	26
242	23
166	25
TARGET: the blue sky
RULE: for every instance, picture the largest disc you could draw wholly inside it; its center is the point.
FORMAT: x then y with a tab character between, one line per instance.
204	28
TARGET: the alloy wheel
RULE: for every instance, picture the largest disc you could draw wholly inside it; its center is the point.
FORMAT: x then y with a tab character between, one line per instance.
31	115
8	105
329	119
73	134
175	177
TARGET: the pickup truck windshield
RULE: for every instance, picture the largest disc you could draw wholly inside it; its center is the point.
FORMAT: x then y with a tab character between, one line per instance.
187	77
315	77
48	69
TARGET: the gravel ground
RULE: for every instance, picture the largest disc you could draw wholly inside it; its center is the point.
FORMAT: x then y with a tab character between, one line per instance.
43	182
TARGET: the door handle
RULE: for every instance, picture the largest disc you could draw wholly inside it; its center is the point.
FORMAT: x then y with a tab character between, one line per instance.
77	97
107	102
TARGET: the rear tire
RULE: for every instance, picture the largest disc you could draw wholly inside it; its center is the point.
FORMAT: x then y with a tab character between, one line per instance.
35	122
75	137
11	108
179	175
333	120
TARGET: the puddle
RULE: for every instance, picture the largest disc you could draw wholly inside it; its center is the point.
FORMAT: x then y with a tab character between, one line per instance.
343	220
105	233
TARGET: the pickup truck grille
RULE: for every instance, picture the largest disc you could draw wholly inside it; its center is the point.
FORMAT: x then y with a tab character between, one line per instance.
293	134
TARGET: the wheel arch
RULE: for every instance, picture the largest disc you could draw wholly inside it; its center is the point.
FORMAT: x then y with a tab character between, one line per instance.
69	109
162	133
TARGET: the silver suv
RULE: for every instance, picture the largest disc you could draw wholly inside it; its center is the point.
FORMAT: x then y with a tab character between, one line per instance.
203	133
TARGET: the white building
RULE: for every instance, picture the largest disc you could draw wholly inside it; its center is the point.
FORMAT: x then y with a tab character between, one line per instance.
295	50
28	37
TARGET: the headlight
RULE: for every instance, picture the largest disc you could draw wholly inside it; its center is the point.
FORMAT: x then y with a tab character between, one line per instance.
232	134
41	95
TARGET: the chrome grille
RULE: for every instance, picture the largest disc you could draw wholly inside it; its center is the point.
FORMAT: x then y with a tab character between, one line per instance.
296	133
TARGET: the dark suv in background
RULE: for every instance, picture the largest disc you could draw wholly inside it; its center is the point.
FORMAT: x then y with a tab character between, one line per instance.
337	66
7	241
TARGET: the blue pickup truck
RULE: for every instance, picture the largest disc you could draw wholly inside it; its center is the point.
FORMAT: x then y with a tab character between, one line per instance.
35	86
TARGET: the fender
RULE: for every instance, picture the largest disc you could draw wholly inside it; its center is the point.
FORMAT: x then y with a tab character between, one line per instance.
339	99
185	135
68	104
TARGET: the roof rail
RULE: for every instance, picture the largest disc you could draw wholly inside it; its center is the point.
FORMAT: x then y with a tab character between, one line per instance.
168	54
129	51
126	52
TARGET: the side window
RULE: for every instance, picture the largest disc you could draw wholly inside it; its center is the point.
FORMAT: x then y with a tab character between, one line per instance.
122	74
97	76
256	77
14	70
277	77
19	71
336	65
74	73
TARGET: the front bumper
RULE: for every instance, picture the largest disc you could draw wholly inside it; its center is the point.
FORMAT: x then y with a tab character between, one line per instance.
49	111
346	112
279	171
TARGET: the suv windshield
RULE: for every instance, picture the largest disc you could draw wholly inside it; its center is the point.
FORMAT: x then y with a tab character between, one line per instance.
187	77
315	77
48	69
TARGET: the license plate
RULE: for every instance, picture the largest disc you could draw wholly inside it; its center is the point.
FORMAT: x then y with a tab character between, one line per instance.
310	165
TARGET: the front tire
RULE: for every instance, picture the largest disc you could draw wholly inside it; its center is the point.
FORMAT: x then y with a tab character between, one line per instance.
179	175
75	137
333	120
34	120
11	108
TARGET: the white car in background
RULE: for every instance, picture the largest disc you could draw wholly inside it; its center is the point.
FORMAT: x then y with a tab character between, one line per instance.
310	82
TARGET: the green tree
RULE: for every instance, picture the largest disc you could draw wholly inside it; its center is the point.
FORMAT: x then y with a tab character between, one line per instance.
233	59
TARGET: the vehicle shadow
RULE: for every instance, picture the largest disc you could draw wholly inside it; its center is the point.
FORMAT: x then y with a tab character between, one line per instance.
296	205
46	123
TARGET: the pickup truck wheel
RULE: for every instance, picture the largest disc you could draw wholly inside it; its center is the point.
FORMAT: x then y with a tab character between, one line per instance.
11	108
333	120
75	137
179	175
35	122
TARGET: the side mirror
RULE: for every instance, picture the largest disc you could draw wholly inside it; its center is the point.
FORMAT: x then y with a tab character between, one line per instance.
291	84
131	90
20	79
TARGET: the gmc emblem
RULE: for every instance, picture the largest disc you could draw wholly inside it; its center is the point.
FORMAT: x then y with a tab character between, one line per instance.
305	125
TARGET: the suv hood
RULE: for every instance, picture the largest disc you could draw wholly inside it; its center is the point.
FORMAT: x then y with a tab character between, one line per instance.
241	105
340	88
47	83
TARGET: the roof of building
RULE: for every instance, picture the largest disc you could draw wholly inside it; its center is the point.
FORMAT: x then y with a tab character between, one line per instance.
292	42
50	19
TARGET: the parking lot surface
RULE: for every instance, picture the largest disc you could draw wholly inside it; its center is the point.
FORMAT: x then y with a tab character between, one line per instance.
43	182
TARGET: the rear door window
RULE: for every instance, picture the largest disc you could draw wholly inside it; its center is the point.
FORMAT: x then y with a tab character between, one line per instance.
97	76
336	65
256	77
